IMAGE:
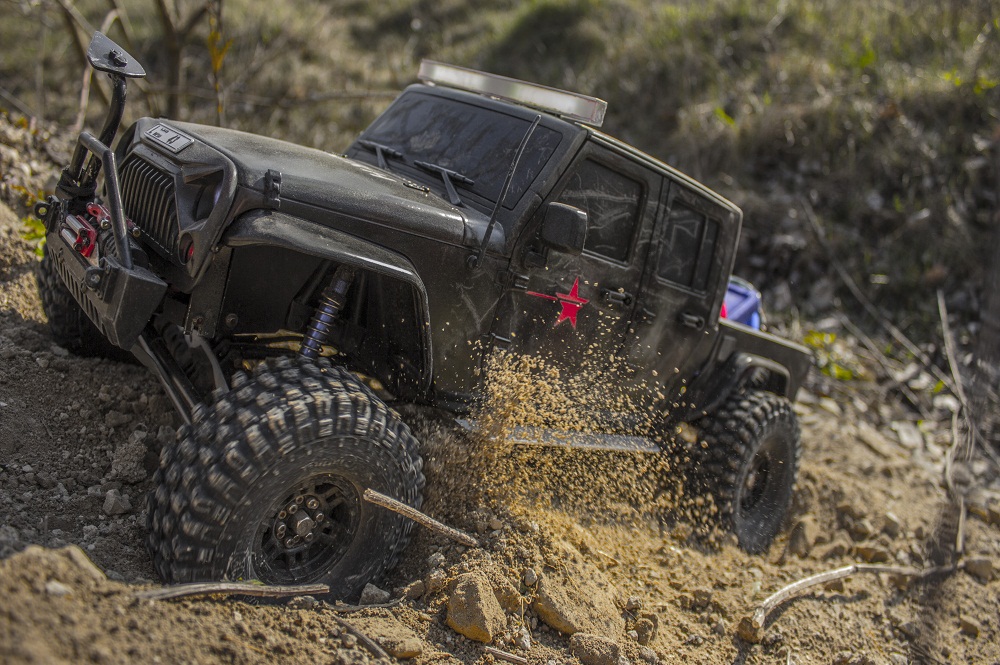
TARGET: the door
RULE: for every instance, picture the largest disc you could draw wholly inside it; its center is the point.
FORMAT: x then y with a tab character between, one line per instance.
570	313
677	310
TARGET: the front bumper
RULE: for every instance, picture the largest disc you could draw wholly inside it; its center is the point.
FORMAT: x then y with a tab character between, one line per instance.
120	301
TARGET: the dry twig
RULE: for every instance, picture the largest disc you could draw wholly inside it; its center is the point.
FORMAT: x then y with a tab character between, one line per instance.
369	643
505	655
867	304
751	628
371	496
230	589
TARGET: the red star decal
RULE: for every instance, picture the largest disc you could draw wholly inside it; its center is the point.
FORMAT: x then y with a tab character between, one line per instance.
571	303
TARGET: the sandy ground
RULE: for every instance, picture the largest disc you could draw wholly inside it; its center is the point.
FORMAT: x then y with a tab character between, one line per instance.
79	436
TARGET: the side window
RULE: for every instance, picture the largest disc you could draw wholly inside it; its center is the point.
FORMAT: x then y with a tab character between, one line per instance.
612	203
688	247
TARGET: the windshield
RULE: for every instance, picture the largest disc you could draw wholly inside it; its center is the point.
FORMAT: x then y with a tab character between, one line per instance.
467	139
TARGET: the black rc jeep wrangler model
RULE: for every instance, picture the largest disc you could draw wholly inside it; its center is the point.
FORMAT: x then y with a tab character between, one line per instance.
284	295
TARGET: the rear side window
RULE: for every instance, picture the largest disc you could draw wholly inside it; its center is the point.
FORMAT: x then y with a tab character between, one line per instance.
688	247
612	203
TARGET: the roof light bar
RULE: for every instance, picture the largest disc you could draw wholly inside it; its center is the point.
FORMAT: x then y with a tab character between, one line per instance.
570	105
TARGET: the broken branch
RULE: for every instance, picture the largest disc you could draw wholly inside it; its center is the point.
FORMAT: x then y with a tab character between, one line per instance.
230	589
371	496
751	628
504	655
369	643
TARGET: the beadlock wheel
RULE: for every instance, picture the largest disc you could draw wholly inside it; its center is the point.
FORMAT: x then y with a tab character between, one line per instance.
266	484
749	465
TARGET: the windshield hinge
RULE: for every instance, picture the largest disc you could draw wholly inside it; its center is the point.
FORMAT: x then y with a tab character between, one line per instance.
510	280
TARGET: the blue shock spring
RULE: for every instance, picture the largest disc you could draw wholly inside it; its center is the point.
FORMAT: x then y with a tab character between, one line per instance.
331	302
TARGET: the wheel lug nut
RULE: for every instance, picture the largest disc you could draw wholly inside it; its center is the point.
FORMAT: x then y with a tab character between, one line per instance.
312	504
292	509
282	515
309	537
290	542
318	517
280	531
299	500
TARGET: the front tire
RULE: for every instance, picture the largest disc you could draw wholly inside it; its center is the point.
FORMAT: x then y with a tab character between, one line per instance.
267	483
749	463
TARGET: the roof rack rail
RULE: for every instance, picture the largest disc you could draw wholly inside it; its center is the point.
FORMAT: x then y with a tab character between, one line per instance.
569	105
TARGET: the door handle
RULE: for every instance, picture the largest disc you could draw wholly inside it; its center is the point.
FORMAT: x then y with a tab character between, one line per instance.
691	320
617	297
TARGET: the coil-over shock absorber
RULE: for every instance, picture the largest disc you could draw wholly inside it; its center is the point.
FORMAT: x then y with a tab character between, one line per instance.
331	301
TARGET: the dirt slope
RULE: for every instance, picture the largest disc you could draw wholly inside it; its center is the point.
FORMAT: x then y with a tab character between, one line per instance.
560	550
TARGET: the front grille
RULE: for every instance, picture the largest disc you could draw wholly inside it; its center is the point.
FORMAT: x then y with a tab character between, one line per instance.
148	198
79	292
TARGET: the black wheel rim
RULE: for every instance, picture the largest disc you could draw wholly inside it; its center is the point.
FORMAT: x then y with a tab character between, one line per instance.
755	482
762	482
307	530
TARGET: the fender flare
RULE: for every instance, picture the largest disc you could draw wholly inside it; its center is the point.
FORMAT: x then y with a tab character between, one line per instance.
735	372
277	229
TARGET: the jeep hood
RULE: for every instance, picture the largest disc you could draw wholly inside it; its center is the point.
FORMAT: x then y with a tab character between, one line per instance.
321	186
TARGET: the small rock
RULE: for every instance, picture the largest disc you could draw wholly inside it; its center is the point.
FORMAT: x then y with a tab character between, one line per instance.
495	524
510	598
802	537
861	529
436	560
719	627
981	568
969	626
633	604
702	598
835	586
909	629
116	419
834	550
473	610
646	628
648	656
408	647
127	462
115	503
372	595
436	580
893	526
530	577
594	649
843	658
56	589
302	603
414	590
909	436
349	641
45	480
872	554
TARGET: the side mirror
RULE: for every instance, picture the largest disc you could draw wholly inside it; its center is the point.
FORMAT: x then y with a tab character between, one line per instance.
106	56
564	228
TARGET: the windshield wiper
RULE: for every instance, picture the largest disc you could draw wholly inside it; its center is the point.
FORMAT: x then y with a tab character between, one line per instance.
380	152
447	175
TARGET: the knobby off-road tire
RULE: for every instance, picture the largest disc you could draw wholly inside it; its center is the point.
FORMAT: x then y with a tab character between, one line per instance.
750	465
296	433
71	328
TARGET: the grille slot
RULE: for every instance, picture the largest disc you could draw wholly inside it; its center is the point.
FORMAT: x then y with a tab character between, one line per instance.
78	291
148	198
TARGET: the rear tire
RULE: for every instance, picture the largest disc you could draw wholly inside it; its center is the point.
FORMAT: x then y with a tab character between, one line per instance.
295	434
71	328
749	465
